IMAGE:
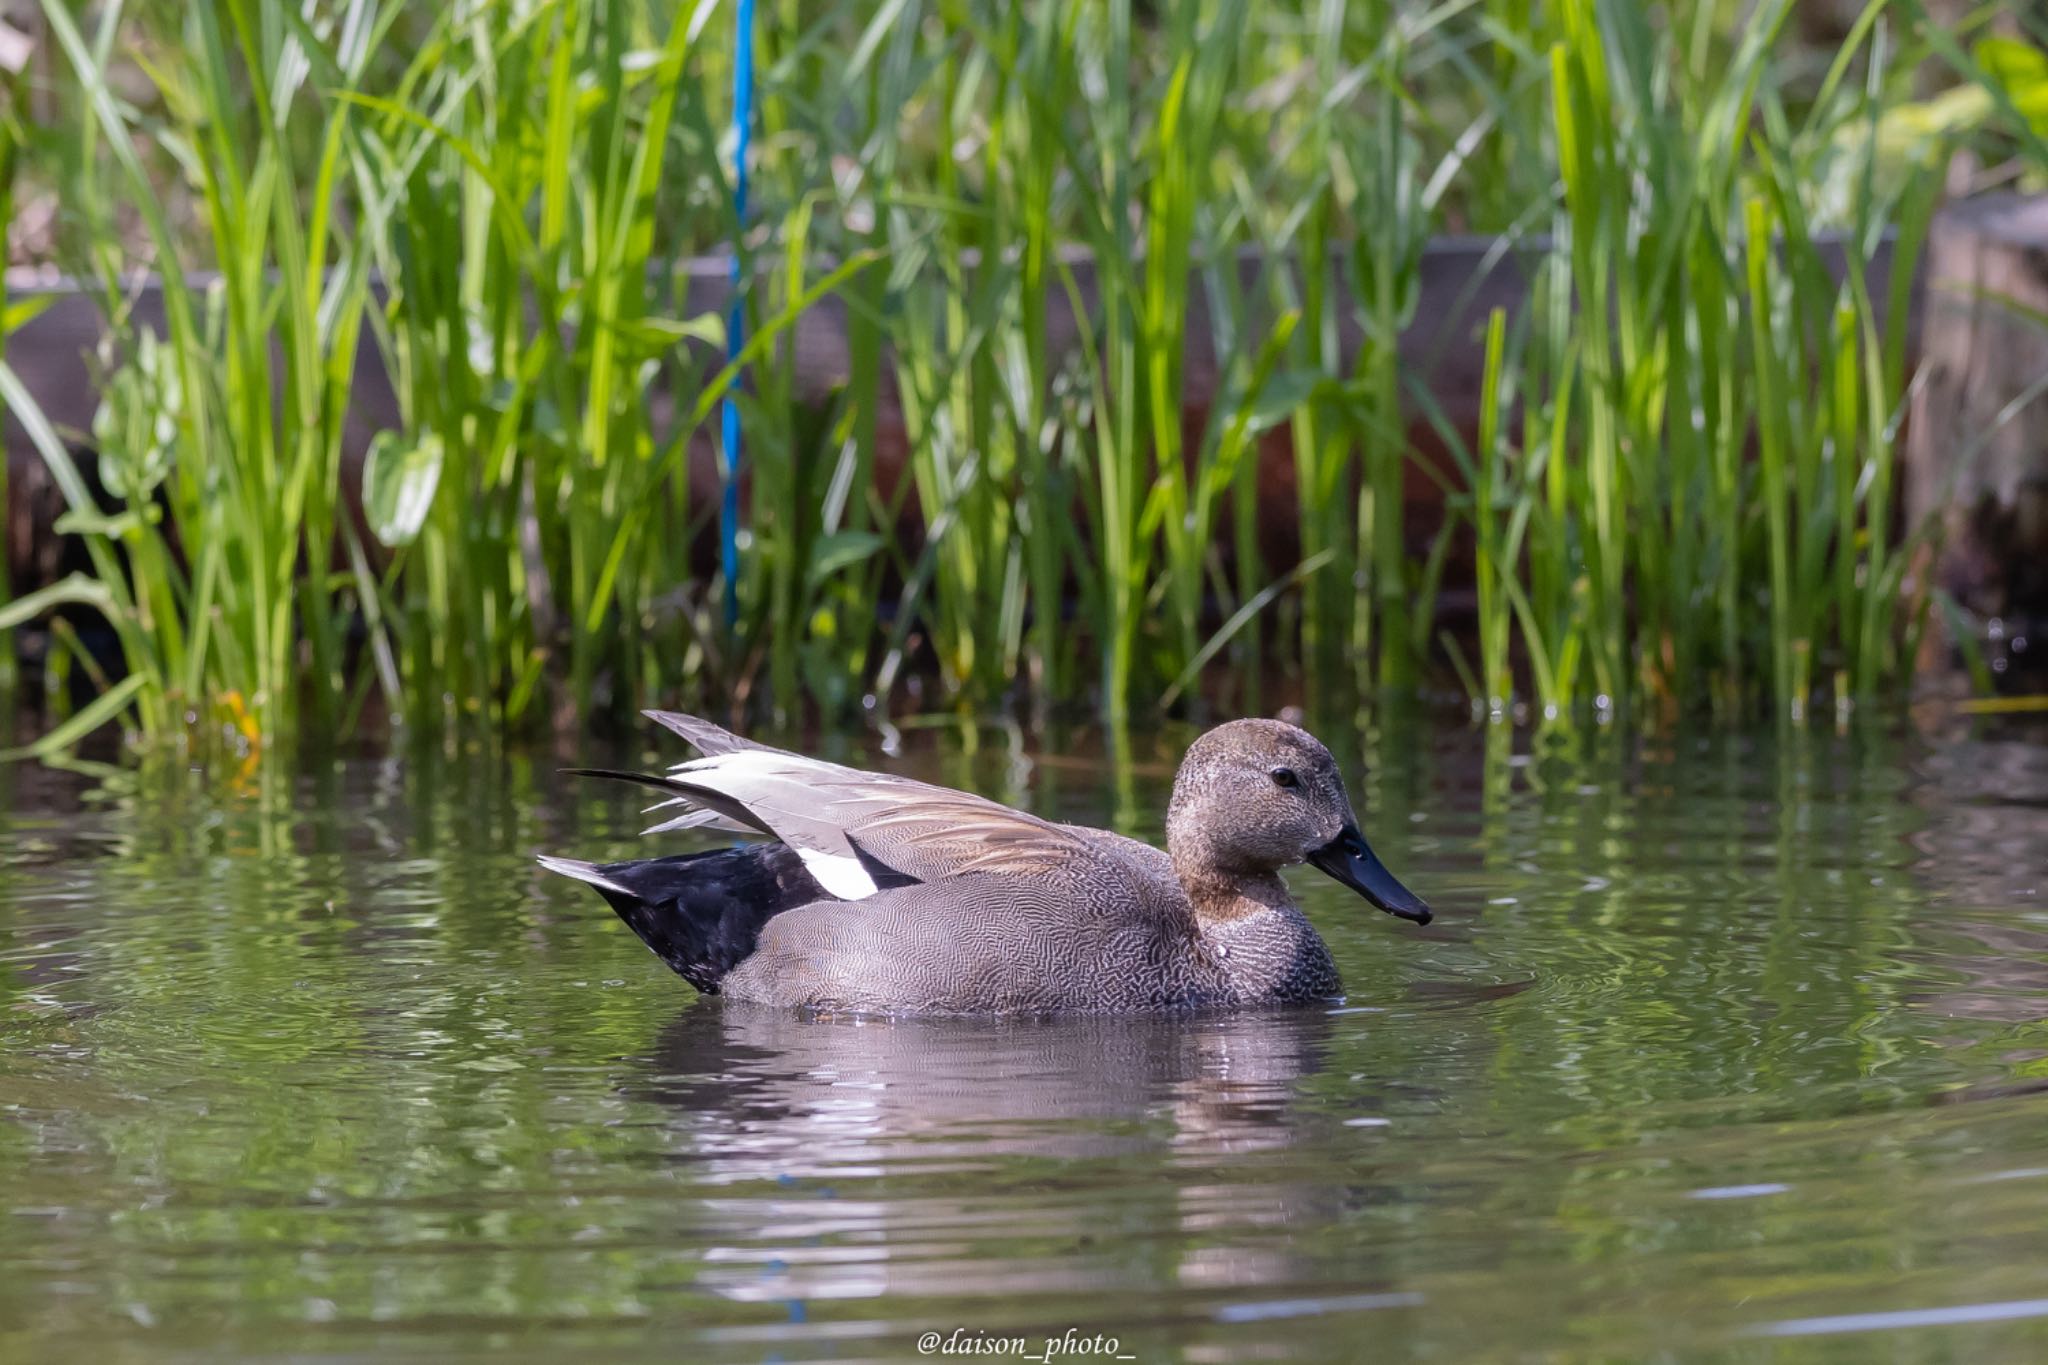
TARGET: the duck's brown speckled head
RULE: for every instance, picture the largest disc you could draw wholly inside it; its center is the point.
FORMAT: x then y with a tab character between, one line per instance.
1253	796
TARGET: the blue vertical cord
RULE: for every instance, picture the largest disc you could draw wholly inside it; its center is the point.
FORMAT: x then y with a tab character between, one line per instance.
736	321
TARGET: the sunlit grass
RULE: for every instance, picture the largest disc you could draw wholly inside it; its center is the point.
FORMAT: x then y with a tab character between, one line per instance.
1682	493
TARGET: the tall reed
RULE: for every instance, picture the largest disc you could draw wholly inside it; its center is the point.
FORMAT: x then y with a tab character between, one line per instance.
1690	315
1681	492
219	443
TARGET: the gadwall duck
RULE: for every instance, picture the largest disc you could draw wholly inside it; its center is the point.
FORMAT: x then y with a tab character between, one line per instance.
880	893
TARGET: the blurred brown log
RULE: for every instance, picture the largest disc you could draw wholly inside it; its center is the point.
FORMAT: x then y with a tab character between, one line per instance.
1977	448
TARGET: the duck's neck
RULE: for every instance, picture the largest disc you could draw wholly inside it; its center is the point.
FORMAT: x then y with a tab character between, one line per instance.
1219	884
1265	947
1226	898
1249	927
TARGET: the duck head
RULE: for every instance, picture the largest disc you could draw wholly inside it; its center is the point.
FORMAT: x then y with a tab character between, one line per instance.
1253	796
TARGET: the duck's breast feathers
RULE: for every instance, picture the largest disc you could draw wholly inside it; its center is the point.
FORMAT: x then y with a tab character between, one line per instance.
845	823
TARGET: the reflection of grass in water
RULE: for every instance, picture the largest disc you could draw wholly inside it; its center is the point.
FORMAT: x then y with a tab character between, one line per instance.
522	179
1735	967
1698	923
347	1048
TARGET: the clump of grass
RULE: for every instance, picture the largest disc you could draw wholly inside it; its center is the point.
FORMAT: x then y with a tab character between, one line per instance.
1681	492
220	441
1690	314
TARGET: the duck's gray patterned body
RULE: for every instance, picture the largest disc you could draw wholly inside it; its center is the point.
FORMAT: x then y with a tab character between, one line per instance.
910	897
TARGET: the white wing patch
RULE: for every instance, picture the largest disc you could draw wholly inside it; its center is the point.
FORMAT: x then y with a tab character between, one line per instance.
839	873
758	764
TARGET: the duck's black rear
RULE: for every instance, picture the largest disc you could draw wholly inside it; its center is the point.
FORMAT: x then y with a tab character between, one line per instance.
701	913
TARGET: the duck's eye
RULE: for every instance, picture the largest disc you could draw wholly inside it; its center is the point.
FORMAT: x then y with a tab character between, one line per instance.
1284	777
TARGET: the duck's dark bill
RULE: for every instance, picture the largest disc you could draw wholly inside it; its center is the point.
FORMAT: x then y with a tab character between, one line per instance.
1350	860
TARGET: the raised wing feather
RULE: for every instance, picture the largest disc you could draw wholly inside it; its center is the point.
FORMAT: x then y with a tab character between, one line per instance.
708	739
703	736
690	815
840	820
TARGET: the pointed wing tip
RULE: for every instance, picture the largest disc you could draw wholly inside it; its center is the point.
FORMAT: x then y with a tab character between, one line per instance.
696	818
682	723
707	737
577	870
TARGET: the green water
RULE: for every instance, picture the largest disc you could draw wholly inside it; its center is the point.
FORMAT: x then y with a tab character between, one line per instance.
1717	1050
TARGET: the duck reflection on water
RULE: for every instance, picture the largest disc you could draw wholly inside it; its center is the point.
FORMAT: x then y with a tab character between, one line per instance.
1022	1111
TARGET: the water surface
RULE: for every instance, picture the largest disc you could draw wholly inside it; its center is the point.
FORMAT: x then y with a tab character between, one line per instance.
1718	1050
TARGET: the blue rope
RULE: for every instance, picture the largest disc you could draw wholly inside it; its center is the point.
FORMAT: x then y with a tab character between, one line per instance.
736	321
